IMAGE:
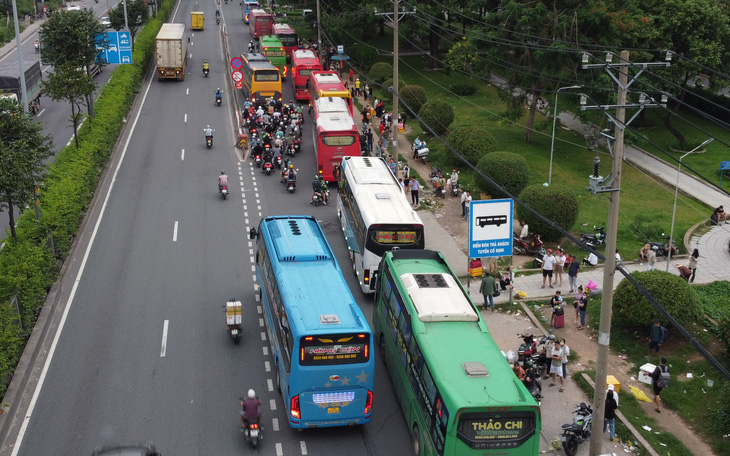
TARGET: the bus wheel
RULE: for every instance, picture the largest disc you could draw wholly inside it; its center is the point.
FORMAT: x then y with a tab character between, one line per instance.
415	442
381	347
353	258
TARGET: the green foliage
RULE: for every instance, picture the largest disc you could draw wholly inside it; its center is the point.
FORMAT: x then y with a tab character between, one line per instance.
557	203
381	71
647	228
137	15
69	82
436	114
11	343
723	333
24	150
715	299
363	56
633	310
507	169
464	89
69	37
463	58
414	96
471	143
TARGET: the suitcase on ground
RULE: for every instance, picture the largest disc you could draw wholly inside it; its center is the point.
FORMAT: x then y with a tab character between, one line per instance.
559	321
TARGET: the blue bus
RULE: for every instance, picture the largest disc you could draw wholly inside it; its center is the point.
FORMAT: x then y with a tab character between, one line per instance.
320	340
247	6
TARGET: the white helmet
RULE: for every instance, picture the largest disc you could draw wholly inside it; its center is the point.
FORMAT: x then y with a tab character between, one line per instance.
251	394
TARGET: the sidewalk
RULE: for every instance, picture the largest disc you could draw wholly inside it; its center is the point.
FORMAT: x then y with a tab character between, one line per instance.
27	33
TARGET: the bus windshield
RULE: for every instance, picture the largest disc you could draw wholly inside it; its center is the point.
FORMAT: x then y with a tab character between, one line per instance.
332	140
266	75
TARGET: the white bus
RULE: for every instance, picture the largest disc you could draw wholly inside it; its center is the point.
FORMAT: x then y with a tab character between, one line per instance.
375	215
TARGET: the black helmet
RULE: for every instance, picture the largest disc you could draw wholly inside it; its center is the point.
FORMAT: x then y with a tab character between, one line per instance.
223	172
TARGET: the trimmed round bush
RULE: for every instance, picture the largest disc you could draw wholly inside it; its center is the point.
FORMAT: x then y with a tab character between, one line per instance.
556	203
381	71
414	96
472	143
436	114
505	168
632	310
464	89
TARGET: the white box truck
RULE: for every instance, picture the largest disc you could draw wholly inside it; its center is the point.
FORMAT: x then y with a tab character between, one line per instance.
172	52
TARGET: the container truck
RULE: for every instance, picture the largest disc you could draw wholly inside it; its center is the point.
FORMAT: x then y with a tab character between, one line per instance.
10	87
197	20
172	52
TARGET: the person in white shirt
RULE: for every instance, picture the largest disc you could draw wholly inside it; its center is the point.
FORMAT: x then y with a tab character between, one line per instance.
548	262
463	203
524	233
558	269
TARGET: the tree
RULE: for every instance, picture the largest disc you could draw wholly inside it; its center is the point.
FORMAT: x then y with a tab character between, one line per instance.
138	14
554	202
471	143
507	169
73	37
436	114
414	96
23	149
463	58
71	83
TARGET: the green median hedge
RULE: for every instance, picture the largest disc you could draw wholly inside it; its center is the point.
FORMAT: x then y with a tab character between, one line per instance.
28	266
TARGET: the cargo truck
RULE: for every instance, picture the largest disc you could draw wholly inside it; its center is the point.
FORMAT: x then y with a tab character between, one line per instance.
197	20
172	52
10	87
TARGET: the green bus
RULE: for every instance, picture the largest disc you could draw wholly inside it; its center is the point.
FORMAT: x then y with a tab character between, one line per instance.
458	394
272	48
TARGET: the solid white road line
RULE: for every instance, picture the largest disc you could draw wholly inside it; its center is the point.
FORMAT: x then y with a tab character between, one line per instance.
163	350
174	232
182	155
185	118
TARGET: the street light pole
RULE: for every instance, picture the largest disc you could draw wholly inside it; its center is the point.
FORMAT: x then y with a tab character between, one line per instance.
676	190
555	116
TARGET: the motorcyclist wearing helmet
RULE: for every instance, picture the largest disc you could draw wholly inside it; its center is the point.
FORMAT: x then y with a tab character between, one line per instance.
247	104
291	173
453	179
218	93
317	188
250	409
208	132
217	13
206	67
222	181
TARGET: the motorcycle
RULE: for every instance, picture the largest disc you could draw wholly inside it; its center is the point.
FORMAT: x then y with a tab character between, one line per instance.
534	246
579	430
595	240
277	161
534	386
291	184
662	248
223	191
209	141
217	21
268	167
257	160
37	47
455	188
252	432
233	320
319	197
218	100
206	71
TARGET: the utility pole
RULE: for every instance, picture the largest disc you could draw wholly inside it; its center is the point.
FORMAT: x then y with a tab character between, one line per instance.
24	92
319	32
394	128
611	185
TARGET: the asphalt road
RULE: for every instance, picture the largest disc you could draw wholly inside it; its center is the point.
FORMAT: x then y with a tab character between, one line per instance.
143	354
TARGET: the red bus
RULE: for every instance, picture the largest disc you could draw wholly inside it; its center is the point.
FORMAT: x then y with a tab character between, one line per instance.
259	23
336	136
288	38
328	84
303	62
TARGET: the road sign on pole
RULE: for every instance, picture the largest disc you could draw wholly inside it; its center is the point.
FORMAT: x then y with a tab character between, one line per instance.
490	228
236	63
237	76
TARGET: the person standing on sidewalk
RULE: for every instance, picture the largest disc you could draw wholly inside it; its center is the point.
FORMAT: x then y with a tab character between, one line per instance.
467	205
657	336
578	297
406	172
548	262
573	267
556	366
651	259
693	264
415	187
559	263
582	306
487	289
566	353
463	204
658	384
609	417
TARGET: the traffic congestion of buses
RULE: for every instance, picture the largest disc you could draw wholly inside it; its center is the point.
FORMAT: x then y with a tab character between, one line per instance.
455	402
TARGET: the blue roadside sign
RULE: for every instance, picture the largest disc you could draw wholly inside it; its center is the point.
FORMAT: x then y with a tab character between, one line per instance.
490	228
118	47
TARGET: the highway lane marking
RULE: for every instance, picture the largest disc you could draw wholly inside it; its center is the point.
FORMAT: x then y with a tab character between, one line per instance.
270	384
251	259
267	366
261	322
42	111
303	447
263	335
265	350
74	288
272	404
279	451
174	232
163	350
253	268
182	155
275	424
186	118
187	91
258	309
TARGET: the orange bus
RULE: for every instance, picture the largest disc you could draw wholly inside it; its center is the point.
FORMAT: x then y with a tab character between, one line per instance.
303	63
336	136
259	23
328	84
288	38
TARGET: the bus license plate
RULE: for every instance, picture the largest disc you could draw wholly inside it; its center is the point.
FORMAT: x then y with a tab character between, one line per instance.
333	410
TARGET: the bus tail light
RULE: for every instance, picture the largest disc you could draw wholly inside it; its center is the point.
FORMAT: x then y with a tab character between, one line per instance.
366	277
296	413
369	403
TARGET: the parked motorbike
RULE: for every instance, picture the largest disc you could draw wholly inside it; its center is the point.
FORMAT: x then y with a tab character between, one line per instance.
662	248
595	240
579	430
533	384
533	246
209	141
455	188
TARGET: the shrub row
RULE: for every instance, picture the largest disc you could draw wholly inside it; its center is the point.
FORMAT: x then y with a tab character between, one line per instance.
27	267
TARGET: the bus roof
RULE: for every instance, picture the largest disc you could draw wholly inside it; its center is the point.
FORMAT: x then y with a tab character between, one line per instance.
305	54
252	2
326	78
331	105
282	28
303	262
336	121
377	191
270	40
443	342
262	66
251	57
259	12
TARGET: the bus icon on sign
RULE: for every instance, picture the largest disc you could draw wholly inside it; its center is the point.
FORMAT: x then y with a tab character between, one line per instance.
485	220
